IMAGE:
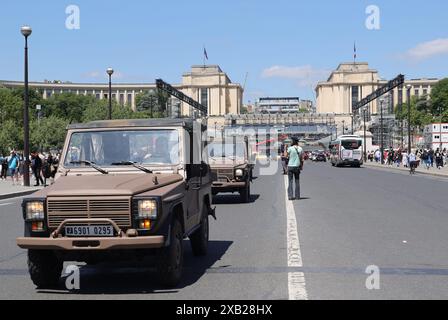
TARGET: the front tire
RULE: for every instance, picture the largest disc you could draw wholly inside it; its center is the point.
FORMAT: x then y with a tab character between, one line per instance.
245	194
199	239
44	268
170	259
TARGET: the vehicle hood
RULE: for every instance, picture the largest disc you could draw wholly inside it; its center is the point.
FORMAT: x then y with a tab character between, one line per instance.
108	185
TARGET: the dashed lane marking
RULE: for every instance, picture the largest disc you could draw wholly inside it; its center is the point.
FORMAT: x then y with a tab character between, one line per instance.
296	280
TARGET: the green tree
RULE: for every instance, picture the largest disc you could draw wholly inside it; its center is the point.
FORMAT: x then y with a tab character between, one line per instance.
99	110
439	100
420	115
35	98
68	106
11	106
48	133
152	102
11	136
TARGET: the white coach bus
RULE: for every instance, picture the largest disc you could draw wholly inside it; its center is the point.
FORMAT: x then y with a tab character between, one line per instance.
346	151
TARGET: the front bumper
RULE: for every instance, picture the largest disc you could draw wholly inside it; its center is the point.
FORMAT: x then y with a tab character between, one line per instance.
219	186
121	241
77	244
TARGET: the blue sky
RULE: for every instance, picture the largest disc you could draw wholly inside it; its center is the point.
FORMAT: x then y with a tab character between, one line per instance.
284	46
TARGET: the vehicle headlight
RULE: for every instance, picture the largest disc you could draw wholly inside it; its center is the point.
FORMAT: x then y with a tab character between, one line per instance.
35	211
239	173
147	209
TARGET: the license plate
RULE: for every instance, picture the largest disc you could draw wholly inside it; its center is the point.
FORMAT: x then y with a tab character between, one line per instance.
89	231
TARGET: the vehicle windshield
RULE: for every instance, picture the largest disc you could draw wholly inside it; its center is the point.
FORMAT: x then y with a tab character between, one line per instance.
115	148
351	144
216	150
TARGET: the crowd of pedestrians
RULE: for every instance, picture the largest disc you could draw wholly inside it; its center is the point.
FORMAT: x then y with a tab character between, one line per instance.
427	158
42	166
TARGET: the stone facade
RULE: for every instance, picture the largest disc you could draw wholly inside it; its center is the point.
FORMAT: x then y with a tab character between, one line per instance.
351	82
206	84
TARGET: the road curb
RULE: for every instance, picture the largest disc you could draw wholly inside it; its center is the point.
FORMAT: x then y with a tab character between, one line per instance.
17	194
403	170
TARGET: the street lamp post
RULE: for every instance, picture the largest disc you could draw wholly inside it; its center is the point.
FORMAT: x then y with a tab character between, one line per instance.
343	127
364	111
26	32
353	129
110	72
408	87
441	121
401	119
381	131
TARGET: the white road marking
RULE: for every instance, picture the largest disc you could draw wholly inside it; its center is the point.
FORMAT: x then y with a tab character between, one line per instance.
296	280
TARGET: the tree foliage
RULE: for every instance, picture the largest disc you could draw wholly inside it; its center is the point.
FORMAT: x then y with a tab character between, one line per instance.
99	110
153	103
419	112
11	136
68	106
439	99
57	112
48	133
11	107
426	111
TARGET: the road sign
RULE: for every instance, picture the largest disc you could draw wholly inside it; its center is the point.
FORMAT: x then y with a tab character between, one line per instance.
162	85
398	81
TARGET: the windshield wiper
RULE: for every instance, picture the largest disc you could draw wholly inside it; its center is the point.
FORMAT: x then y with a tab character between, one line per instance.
92	164
130	163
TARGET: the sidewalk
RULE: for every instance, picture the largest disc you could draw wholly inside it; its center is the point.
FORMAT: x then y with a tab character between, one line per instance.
420	170
7	190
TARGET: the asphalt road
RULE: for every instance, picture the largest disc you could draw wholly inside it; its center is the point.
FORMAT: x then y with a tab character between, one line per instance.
348	219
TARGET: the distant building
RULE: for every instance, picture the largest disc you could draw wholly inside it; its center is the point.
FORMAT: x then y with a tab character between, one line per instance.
351	82
208	85
436	136
306	105
283	105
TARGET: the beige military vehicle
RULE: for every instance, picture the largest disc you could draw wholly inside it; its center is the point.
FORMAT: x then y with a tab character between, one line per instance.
126	189
232	166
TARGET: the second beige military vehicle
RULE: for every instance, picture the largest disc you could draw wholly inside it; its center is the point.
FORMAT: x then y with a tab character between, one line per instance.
232	167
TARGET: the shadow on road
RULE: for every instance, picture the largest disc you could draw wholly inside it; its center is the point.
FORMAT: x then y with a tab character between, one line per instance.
231	199
140	277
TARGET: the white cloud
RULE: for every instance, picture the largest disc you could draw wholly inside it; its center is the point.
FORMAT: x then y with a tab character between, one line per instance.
304	75
428	49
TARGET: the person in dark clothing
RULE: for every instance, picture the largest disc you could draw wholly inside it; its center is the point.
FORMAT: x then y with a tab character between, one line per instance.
36	166
426	159
295	166
50	168
391	156
4	164
283	149
431	157
439	159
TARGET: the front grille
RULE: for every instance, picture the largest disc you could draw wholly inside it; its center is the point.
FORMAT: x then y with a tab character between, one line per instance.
224	174
116	209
